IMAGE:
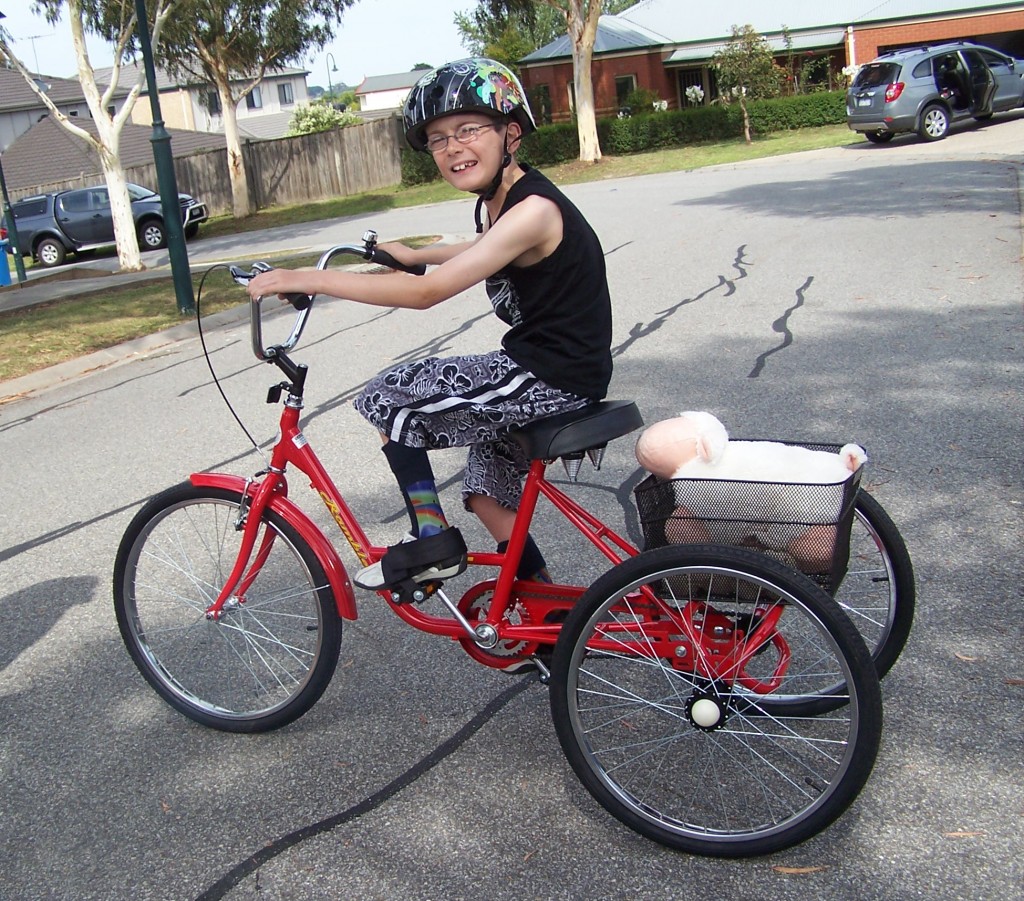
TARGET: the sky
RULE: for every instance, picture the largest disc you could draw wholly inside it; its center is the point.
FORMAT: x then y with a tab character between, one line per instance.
377	37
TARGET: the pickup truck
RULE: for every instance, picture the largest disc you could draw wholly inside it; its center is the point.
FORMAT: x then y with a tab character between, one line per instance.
50	226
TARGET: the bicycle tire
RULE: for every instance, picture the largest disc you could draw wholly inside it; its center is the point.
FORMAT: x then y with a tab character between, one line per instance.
268	658
878	592
625	701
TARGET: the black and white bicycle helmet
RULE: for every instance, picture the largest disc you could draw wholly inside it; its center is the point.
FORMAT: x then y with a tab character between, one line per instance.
466	85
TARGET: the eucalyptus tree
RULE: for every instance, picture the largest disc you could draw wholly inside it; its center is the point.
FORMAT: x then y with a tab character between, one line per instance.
114	21
579	19
233	44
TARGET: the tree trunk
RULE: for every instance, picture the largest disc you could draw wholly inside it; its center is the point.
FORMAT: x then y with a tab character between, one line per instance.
108	150
128	254
586	119
746	116
241	203
582	32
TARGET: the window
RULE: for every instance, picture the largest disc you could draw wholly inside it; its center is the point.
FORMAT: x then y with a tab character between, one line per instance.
75	202
692	78
874	75
254	99
34	206
212	103
624	86
997	62
540	102
284	94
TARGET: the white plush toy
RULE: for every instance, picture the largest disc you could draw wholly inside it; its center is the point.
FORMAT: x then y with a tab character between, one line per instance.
695	445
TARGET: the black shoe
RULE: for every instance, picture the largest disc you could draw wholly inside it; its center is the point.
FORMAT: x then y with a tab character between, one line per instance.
431	559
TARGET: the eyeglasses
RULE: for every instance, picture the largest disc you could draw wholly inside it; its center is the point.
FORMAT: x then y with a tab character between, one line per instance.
467	134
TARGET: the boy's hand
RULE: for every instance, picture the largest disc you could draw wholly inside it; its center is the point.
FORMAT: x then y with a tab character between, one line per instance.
275	281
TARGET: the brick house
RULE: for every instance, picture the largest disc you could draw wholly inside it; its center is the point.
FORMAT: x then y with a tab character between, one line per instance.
666	46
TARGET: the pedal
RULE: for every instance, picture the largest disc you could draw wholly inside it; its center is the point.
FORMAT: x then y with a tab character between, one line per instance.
410	592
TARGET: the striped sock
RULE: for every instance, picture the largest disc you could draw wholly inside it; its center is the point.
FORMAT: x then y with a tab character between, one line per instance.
427	507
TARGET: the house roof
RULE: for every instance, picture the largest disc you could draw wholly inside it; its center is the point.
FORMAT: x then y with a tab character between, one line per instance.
698	30
266	127
805	40
691	22
396	82
613	33
48	152
16	95
166	82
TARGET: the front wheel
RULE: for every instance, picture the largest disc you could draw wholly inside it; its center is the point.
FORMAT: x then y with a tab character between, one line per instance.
152	235
271	653
678	691
934	123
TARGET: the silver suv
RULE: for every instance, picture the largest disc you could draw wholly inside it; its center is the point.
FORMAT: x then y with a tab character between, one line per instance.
924	89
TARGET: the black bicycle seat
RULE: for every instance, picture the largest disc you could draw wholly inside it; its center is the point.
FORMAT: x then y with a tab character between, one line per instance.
578	430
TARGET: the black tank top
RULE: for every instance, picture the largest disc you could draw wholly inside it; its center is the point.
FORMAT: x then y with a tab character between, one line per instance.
559	309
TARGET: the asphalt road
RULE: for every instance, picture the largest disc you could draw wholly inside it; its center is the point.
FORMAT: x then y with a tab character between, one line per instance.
862	293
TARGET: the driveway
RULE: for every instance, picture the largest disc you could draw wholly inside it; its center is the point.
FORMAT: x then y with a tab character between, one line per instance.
862	293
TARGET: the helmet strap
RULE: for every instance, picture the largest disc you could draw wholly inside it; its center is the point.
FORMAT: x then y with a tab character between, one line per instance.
488	193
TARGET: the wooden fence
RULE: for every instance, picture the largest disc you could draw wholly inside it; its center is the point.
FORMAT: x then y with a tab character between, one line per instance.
281	172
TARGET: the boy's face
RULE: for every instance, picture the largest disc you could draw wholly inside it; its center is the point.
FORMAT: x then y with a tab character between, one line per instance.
469	164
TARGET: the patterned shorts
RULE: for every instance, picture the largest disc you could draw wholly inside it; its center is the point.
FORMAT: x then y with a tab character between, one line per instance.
468	401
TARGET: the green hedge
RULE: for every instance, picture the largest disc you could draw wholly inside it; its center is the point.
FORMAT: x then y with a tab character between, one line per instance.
551	144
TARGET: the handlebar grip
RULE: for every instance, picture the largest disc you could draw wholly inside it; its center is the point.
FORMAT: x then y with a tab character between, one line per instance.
385	259
299	301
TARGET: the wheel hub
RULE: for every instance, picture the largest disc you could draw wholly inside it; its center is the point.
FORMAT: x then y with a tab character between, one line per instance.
706	712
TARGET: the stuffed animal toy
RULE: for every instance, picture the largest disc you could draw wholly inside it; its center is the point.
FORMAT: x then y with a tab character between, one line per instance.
695	445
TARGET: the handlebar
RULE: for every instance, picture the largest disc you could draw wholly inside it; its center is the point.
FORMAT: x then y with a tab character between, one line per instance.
303	303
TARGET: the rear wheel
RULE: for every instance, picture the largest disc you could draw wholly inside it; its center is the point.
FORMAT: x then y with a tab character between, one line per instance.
878	592
934	123
269	655
678	691
50	252
879	137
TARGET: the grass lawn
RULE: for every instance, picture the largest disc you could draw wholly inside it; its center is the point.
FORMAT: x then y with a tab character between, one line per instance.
37	337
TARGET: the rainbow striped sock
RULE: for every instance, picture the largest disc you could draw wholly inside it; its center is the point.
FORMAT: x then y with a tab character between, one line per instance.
427	507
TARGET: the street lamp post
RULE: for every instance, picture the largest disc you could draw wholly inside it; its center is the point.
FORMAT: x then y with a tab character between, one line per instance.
332	67
165	177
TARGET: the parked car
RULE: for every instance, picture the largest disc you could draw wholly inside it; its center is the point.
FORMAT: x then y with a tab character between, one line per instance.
50	226
924	89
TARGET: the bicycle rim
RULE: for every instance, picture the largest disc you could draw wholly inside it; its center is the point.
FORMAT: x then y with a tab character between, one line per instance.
713	757
268	657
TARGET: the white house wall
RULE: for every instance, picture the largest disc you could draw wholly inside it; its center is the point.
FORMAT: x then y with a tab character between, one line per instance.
383	100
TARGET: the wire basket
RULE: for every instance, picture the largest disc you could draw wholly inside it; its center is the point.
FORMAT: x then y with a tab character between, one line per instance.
806	526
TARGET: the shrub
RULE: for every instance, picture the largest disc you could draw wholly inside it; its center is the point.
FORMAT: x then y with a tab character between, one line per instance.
418	168
317	117
551	144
